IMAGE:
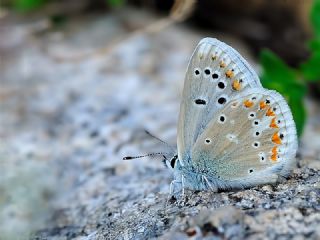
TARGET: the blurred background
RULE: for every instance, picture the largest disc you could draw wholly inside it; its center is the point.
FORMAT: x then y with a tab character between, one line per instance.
81	80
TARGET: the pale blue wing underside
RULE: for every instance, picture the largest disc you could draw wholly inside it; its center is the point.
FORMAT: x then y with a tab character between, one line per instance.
216	74
250	141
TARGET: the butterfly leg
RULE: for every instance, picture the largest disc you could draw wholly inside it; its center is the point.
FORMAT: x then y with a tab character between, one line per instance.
175	190
172	187
205	180
183	196
182	183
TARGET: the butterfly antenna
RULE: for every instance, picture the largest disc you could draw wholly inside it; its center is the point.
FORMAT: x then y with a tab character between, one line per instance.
160	140
141	156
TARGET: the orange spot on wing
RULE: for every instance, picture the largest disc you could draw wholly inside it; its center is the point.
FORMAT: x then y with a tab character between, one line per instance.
236	85
276	138
273	123
274	150
270	113
263	105
222	64
229	74
274	157
248	103
274	154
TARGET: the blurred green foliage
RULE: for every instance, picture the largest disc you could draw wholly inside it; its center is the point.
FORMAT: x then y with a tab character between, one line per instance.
115	3
311	68
315	18
277	75
292	83
27	5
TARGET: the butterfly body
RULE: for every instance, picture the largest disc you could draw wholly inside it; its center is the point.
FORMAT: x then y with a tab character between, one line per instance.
232	133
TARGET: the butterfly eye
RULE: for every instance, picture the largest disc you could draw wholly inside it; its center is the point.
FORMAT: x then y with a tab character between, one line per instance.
173	161
208	141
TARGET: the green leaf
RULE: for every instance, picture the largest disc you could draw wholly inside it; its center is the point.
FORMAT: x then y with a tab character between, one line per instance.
280	77
115	3
311	68
314	45
28	5
299	113
275	71
315	17
294	97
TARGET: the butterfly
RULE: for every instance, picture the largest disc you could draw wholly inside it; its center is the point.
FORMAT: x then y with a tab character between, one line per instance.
232	132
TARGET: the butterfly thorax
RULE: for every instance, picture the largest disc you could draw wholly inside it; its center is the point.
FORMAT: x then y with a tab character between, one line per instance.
195	177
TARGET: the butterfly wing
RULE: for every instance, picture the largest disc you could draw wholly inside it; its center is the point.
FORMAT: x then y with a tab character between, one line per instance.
250	141
216	73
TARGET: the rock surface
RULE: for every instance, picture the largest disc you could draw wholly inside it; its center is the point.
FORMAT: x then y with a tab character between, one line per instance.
67	121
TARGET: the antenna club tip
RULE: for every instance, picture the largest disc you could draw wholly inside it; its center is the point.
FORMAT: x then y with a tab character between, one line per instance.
147	155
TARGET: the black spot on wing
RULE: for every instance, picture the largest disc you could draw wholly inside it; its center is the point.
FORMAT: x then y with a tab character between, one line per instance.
215	76
222	100
200	102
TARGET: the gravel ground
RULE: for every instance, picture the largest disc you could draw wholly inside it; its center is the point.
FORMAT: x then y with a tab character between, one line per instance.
67	121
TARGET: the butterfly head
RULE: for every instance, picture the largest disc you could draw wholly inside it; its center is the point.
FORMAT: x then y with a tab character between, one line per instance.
171	163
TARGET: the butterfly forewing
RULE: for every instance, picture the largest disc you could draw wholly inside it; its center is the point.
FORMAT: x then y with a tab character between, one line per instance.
249	141
215	75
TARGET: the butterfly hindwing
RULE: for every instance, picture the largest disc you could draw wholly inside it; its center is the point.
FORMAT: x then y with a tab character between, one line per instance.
250	141
216	73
